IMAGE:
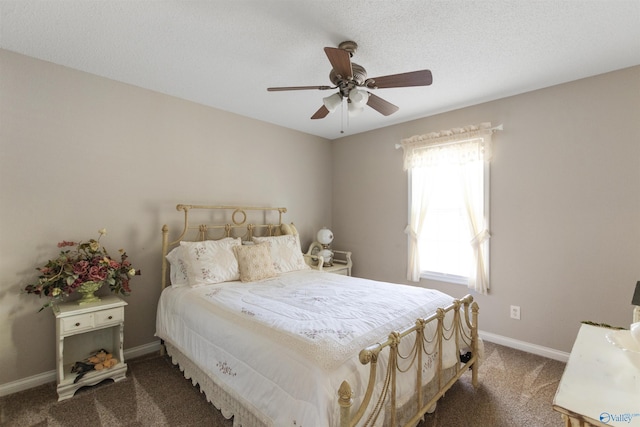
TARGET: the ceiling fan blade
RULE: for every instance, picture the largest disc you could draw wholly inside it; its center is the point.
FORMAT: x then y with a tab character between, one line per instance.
414	78
381	106
340	61
321	113
276	89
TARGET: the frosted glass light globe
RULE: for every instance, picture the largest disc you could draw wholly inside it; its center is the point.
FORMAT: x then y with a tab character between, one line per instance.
325	236
359	97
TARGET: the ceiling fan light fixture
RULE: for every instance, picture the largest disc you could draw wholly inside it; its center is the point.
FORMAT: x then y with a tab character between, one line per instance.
354	109
352	83
332	102
358	98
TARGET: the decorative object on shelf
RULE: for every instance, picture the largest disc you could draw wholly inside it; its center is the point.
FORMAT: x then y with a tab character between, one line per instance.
98	361
87	290
84	269
636	301
325	237
626	342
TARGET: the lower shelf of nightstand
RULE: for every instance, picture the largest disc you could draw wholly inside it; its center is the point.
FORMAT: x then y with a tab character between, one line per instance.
67	388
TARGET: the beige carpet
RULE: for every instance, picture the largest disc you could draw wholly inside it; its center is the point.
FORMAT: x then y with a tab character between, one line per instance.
516	389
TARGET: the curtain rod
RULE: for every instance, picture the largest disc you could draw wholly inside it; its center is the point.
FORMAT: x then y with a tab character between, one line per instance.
493	129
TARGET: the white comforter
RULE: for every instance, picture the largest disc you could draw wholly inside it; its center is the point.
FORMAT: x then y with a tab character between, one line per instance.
283	346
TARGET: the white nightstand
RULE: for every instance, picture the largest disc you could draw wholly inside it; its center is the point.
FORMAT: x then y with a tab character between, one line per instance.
81	330
341	260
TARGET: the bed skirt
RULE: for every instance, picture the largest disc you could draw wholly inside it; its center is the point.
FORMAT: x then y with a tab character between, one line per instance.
230	406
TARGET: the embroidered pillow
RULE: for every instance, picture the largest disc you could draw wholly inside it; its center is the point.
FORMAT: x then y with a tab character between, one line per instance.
285	252
254	262
211	261
178	273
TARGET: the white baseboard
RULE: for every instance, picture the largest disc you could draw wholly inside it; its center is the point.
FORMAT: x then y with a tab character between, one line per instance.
141	350
27	383
525	346
47	377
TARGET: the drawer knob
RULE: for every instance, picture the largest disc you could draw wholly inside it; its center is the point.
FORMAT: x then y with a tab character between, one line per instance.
110	317
77	323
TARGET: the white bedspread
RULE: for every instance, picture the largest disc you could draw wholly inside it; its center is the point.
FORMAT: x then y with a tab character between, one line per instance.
284	345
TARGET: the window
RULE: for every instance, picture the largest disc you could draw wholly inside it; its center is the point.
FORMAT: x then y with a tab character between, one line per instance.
449	206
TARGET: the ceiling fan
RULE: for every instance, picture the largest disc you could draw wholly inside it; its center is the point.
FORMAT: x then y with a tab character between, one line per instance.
352	83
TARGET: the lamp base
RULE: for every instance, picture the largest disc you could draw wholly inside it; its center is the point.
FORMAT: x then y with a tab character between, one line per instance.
636	314
327	255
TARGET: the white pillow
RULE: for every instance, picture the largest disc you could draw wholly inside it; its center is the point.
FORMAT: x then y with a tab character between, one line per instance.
285	252
178	273
211	261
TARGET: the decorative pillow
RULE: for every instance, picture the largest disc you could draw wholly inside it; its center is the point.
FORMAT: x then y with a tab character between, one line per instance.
211	261
288	229
178	273
285	252
254	262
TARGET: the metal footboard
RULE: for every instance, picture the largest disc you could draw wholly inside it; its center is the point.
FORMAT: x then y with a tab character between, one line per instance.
423	345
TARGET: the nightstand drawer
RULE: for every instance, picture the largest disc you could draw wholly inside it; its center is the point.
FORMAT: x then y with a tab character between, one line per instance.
77	323
105	317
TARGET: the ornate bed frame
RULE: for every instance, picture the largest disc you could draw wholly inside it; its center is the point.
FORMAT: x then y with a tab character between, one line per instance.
465	313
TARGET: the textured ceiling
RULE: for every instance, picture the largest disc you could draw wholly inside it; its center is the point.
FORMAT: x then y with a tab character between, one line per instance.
226	53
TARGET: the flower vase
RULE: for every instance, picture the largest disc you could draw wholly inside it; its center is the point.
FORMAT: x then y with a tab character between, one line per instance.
87	289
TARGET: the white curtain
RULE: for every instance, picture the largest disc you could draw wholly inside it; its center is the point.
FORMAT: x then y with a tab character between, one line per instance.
467	148
421	189
478	227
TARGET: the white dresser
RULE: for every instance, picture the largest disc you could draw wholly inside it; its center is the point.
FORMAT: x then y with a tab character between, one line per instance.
600	386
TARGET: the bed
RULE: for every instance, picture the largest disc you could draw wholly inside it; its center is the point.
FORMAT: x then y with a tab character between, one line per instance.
272	341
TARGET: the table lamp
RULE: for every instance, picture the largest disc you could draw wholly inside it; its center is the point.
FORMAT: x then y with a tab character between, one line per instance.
636	301
325	237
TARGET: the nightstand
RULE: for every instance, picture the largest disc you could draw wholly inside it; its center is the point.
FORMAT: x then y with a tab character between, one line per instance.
341	260
341	263
81	330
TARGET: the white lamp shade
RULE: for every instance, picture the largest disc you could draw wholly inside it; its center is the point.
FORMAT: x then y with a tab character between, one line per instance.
332	102
359	97
325	236
354	110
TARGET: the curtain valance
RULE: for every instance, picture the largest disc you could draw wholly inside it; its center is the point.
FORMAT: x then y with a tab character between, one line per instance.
458	146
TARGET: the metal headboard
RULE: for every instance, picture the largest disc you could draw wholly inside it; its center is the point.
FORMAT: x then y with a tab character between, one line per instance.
234	223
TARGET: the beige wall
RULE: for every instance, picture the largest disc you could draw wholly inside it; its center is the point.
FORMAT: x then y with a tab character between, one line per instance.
565	206
79	152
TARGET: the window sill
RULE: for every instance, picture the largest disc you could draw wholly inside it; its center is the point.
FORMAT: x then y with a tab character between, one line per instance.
443	277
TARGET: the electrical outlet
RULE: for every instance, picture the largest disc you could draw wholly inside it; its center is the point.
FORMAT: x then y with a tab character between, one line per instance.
515	312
